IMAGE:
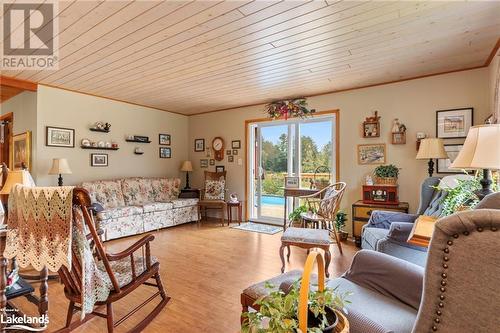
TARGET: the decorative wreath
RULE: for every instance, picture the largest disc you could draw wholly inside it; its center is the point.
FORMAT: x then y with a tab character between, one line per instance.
289	109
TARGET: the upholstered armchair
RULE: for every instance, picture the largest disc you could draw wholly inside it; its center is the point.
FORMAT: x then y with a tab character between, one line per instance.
387	232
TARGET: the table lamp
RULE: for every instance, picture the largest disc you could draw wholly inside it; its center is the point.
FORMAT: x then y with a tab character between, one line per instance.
60	167
187	167
22	177
481	150
431	148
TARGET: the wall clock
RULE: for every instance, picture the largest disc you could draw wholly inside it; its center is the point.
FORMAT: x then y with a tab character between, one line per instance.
218	147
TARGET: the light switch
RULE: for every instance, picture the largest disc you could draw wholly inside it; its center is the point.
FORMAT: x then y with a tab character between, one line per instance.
240	161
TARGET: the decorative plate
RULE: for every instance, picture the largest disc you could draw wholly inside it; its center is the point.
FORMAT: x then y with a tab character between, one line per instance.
85	142
101	144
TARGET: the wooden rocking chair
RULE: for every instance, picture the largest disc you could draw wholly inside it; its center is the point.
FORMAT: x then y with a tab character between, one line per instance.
139	274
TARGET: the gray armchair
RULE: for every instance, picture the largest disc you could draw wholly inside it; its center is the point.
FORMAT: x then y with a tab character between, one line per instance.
387	232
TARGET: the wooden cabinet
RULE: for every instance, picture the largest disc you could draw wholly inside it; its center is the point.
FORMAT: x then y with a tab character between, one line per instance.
361	213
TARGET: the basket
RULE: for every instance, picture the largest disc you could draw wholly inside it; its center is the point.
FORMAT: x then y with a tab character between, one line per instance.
386	180
343	323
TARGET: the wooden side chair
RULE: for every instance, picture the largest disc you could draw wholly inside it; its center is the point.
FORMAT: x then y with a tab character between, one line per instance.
323	207
127	270
213	195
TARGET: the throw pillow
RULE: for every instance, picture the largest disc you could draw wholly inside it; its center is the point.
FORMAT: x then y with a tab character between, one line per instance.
214	189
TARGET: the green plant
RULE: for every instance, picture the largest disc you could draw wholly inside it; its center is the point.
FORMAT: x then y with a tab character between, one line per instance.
340	220
387	171
281	310
295	215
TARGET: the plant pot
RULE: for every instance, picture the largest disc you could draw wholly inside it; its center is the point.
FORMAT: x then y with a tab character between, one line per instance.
386	180
331	316
343	235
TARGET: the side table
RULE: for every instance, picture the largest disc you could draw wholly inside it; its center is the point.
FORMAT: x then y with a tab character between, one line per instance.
230	206
189	193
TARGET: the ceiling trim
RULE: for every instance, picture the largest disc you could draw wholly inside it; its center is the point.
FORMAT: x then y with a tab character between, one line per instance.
493	53
17	83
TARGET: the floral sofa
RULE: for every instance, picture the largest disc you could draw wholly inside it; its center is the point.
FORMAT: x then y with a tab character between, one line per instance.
136	205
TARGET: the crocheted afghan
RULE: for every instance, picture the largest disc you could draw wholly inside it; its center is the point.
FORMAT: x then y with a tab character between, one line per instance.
41	233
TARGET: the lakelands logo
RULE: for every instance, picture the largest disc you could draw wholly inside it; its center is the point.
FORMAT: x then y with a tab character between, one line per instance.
14	321
29	33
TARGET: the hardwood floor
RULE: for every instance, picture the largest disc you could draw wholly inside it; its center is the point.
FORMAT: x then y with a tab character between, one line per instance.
204	269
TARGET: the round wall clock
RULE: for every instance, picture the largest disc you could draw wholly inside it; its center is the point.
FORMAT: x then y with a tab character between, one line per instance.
218	147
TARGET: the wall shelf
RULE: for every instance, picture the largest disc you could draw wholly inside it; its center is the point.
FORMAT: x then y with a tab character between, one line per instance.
137	141
99	148
94	129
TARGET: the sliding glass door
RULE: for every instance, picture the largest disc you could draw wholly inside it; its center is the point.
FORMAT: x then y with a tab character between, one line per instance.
304	148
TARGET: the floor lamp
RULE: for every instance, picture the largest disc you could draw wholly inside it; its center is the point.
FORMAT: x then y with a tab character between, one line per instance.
481	151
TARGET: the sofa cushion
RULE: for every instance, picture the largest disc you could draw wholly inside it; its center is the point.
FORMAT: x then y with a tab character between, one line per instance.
134	191
157	206
259	289
373	235
178	203
306	235
107	192
114	213
162	189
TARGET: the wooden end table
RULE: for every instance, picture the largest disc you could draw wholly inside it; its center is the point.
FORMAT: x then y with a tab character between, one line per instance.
230	205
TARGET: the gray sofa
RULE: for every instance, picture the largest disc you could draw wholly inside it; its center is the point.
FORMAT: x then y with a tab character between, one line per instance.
387	232
457	291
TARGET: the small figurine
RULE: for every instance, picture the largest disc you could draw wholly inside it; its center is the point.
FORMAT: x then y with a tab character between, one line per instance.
396	125
373	118
368	180
107	126
233	197
402	128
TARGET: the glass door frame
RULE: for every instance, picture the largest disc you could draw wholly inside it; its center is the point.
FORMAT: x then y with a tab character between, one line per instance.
294	164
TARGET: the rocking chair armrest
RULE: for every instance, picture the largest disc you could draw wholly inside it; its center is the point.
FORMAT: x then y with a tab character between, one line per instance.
131	249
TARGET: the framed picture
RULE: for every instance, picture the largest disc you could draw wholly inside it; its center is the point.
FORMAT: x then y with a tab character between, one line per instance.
220	168
203	163
165	152
292	182
443	165
454	123
99	160
60	137
371	154
230	158
212	161
235	152
228	152
164	139
20	151
236	144
199	145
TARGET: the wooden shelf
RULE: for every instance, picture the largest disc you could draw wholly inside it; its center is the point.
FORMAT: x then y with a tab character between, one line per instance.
137	141
138	153
99	148
93	129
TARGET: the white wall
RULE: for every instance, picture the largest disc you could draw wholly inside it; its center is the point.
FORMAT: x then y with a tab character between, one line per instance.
414	102
62	108
23	108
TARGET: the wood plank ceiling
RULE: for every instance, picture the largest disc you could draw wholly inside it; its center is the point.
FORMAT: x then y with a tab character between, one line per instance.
196	56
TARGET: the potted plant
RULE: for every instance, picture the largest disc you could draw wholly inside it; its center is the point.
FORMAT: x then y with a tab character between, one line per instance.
386	174
294	216
340	220
278	311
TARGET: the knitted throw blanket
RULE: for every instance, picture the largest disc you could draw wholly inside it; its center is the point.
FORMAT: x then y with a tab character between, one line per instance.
44	229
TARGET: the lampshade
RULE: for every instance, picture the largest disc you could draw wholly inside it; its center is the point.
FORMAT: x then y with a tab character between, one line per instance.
431	148
481	149
22	177
60	166
187	166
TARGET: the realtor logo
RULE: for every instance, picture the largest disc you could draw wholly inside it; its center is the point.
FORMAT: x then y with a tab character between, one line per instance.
29	36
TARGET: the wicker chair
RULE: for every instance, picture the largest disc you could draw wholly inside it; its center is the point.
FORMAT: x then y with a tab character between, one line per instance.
210	203
325	204
135	270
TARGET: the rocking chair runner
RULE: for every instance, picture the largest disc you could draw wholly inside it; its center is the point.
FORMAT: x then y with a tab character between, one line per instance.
133	274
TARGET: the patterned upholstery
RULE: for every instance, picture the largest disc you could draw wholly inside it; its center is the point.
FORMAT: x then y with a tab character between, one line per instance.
259	289
307	236
120	212
136	205
122	268
214	189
